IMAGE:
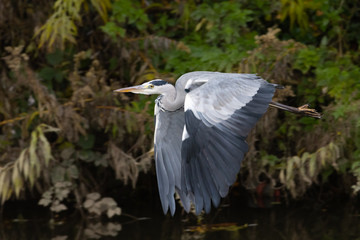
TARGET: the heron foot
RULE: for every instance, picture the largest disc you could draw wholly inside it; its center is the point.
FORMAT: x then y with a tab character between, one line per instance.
304	109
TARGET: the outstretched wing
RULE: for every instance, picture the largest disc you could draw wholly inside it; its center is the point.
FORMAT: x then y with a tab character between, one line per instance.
218	117
167	148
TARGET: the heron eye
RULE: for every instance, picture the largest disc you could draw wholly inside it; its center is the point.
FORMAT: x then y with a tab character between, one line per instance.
151	86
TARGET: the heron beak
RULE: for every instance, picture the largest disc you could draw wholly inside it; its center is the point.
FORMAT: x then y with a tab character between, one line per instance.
134	89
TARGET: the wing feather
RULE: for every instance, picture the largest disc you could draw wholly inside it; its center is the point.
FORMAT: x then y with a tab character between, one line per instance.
162	178
218	117
167	147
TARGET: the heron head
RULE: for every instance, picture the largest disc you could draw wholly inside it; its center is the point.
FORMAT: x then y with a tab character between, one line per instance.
156	86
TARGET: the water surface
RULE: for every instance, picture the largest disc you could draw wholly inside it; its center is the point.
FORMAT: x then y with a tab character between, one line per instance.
230	222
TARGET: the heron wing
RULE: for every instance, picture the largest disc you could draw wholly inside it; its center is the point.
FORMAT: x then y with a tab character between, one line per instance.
167	148
219	114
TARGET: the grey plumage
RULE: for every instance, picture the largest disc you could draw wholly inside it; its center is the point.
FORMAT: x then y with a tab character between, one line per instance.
200	131
167	145
218	118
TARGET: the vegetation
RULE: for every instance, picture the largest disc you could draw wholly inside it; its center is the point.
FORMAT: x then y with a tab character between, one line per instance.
65	138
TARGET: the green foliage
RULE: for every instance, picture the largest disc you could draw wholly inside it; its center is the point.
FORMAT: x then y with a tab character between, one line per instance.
355	168
97	136
61	27
55	71
295	10
86	142
125	14
222	23
300	172
307	59
28	167
335	76
74	149
218	41
204	57
341	78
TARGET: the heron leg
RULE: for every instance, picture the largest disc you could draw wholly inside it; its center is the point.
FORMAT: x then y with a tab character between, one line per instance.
303	110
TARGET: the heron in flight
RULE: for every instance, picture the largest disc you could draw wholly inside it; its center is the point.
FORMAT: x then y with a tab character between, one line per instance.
201	127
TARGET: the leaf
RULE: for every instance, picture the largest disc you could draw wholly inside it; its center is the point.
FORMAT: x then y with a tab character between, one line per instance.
289	169
67	153
48	73
61	194
58	207
60	26
95	209
32	175
55	58
86	142
322	156
355	165
26	168
101	161
73	172
88	203
48	194
110	202
45	147
113	211
5	188
312	165
17	181
85	155
93	196
102	6
58	174
45	202
200	24
113	30
2	180
32	150
21	159
282	176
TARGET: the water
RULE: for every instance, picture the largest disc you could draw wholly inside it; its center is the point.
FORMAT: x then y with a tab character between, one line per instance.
231	222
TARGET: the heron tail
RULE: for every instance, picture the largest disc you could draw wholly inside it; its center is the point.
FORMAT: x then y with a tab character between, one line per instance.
303	110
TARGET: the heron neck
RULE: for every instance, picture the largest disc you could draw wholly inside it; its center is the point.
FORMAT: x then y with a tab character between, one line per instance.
172	100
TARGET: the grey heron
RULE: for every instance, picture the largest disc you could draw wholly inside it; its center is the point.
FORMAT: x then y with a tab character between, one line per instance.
201	127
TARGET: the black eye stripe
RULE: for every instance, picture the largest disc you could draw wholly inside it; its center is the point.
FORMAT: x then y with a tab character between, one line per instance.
158	82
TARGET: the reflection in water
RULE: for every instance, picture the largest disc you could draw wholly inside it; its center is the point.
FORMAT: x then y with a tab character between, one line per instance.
226	223
98	230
